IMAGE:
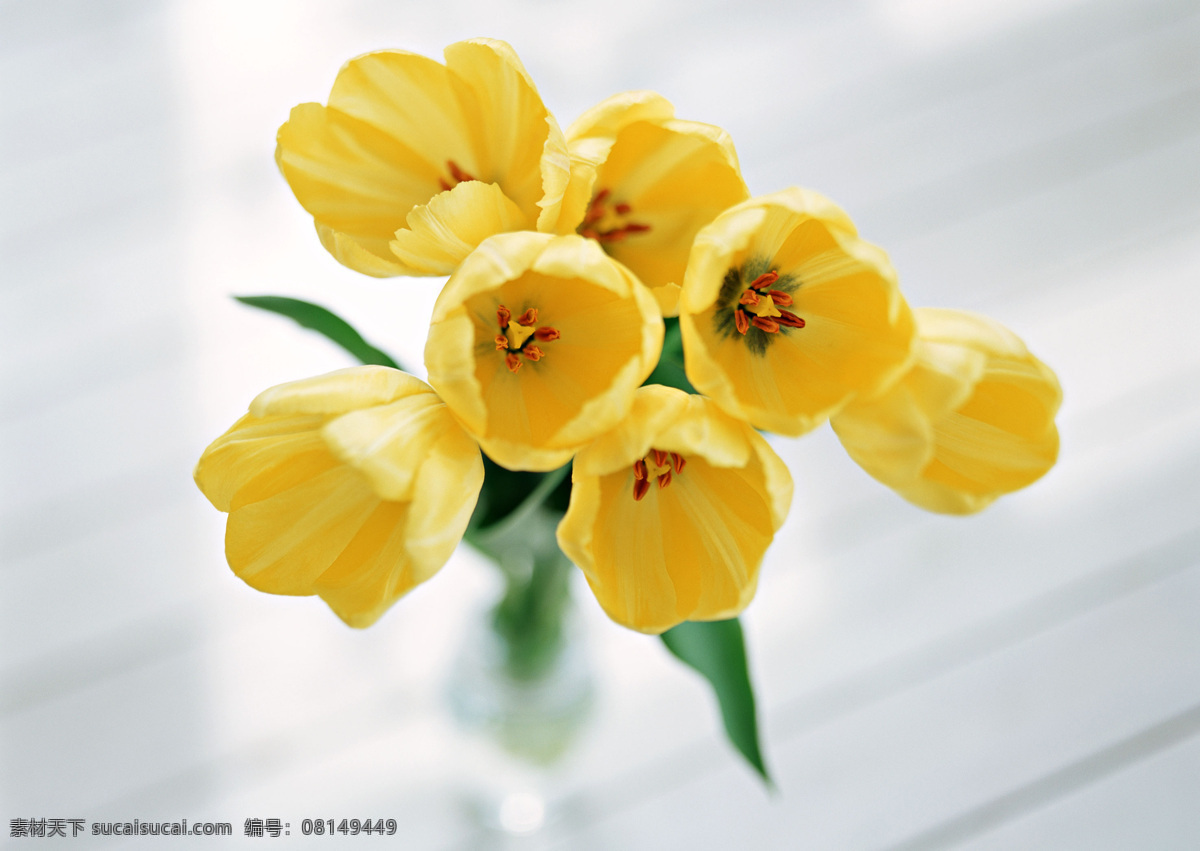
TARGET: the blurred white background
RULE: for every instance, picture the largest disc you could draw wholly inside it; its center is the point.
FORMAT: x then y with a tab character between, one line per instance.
1028	678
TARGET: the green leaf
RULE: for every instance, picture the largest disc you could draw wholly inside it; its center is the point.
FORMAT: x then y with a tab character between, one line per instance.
717	650
322	321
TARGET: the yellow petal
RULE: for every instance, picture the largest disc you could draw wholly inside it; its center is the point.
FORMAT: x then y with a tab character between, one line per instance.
687	551
388	443
361	255
654	409
373	571
609	338
972	419
639	166
613	114
337	392
586	156
355	485
410	99
399	129
857	335
518	143
257	449
356	181
282	543
443	232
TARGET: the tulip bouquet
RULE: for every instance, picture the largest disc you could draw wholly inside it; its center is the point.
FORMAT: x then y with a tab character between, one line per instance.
621	319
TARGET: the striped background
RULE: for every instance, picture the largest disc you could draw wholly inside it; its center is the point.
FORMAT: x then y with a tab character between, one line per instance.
1028	678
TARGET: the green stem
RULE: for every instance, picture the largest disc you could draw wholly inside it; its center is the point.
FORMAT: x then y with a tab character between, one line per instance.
520	514
529	616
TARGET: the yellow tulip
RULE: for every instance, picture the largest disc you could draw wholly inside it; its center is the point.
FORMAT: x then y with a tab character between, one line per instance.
672	511
973	418
643	183
786	315
355	486
538	343
413	163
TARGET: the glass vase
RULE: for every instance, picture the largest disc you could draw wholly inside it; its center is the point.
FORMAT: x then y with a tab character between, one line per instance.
521	687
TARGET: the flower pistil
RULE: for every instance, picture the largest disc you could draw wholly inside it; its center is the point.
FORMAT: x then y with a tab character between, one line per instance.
515	338
656	464
759	306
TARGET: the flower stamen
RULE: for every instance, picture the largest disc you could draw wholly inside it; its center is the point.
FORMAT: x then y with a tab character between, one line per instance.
514	339
457	176
656	465
607	223
759	306
764	280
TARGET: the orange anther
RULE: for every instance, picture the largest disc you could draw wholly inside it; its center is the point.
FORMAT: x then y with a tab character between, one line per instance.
664	480
595	210
513	361
780	298
622	209
529	317
503	314
679	462
749	297
764	324
534	353
741	321
442	183
764	280
660	457
640	488
457	173
501	342
639	469
786	317
546	334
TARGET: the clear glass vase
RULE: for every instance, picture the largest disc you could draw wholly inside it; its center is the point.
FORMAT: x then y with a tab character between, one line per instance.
521	688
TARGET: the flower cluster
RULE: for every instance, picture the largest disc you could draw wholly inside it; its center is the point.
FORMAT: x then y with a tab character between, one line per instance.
565	252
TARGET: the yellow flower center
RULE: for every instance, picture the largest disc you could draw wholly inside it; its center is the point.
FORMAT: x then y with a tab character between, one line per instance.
457	176
760	306
656	464
607	223
516	335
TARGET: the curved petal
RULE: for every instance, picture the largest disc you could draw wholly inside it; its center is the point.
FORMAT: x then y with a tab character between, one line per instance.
644	183
856	335
356	181
337	392
518	144
443	232
586	157
281	543
388	443
607	334
617	112
654	409
972	419
254	453
401	128
410	99
355	485
690	548
362	255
